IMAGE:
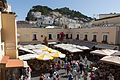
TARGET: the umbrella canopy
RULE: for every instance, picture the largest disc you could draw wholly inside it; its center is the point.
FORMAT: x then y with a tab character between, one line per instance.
37	51
116	54
111	59
56	53
27	56
25	49
44	56
82	47
29	46
39	46
69	47
105	52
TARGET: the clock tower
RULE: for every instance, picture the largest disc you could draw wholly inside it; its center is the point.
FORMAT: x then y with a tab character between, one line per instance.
3	5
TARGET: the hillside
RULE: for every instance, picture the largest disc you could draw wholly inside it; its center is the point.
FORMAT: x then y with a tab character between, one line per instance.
64	11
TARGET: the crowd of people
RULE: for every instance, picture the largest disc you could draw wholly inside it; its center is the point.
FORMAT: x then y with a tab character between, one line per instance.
75	69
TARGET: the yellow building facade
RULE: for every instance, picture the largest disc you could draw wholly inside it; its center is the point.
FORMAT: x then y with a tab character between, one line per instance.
8	35
108	34
104	30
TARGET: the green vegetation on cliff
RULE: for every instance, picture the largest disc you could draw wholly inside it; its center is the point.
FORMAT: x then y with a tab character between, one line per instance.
64	11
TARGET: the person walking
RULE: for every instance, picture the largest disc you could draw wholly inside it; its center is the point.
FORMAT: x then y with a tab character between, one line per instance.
70	76
92	76
111	77
57	77
85	76
81	67
68	67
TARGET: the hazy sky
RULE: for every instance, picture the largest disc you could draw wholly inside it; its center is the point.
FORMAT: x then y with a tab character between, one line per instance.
87	7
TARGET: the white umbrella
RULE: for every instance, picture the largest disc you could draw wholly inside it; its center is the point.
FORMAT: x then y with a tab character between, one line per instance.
116	54
105	52
37	51
27	56
39	46
25	49
29	46
69	47
111	59
82	47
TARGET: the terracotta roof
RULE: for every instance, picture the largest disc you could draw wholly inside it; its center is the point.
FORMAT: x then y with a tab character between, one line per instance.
4	59
14	63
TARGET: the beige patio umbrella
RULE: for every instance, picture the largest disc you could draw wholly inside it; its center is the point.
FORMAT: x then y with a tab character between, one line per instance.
106	52
111	59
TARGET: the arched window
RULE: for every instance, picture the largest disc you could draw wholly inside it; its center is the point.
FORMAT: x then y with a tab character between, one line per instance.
34	37
94	38
85	38
105	39
77	38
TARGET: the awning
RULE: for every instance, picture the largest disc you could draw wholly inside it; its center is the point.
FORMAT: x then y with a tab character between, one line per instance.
11	63
106	46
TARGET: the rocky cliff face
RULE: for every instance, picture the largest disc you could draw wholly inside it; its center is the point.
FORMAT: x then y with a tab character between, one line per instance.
64	17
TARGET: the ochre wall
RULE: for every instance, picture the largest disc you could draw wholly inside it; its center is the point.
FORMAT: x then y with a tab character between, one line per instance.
9	34
26	33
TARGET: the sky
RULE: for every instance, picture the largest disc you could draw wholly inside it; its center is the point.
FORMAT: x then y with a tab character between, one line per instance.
90	8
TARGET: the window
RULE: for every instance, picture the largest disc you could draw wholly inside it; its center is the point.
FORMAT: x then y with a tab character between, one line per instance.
94	38
71	36
34	37
85	38
77	38
49	22
50	36
67	36
58	36
105	38
41	35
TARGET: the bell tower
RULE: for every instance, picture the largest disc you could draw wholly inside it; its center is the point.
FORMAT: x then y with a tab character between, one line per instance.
3	5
